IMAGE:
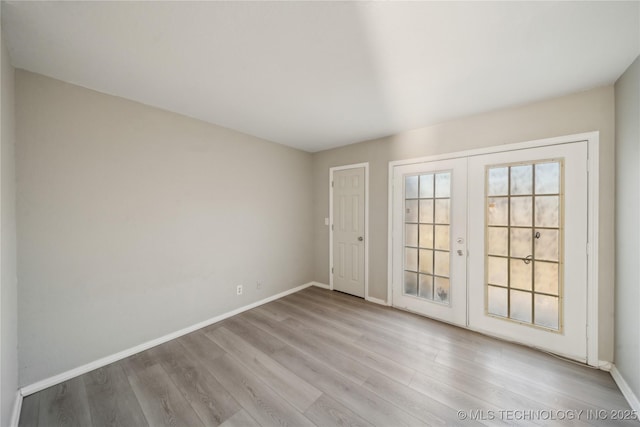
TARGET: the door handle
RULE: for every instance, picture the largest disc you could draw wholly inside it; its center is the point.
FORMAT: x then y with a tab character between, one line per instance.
360	239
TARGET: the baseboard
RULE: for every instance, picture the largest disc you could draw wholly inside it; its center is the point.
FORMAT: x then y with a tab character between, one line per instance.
625	389
603	365
377	301
57	379
370	299
321	285
17	406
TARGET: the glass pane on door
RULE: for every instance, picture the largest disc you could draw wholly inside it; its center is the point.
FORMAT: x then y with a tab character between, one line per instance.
523	249
427	224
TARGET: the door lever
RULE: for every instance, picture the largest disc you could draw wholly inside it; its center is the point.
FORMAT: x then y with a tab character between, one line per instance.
360	239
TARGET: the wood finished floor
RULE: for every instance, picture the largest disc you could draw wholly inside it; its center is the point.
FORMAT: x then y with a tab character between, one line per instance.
327	359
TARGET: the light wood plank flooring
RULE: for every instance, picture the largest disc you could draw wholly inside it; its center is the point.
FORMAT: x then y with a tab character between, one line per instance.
328	359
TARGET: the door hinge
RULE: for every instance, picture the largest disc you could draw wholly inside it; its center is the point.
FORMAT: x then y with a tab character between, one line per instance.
331	227
331	270
332	183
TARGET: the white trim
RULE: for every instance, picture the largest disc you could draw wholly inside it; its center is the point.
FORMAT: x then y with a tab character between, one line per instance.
390	233
331	228
364	165
376	301
565	139
17	407
57	379
631	397
593	142
366	230
367	298
320	285
604	365
593	225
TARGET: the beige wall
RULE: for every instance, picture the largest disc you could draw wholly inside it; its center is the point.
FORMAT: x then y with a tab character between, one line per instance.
627	336
8	280
136	222
581	112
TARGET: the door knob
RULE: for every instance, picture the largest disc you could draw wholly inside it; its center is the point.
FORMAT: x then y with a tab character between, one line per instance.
360	239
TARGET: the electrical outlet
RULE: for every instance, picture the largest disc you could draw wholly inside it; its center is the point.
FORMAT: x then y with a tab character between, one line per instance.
239	290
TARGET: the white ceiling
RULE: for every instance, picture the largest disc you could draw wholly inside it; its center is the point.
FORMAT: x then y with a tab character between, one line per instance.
316	75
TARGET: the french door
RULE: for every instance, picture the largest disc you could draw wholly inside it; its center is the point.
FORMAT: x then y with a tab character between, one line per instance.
429	218
528	282
497	243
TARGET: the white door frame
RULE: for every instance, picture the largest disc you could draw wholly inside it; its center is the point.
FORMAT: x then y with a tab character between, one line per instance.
366	223
593	144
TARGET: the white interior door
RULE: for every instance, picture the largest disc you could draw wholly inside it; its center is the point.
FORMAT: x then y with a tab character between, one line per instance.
528	247
348	231
429	239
